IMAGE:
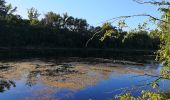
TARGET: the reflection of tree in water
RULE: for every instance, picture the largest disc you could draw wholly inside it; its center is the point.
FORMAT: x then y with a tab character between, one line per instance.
6	85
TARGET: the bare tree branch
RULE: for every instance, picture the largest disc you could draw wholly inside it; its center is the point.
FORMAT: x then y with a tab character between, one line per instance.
159	77
130	16
93	37
153	2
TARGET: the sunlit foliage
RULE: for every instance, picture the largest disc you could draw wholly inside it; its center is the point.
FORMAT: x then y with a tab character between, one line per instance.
146	95
163	55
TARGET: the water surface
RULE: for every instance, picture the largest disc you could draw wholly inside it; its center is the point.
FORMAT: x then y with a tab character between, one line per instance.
75	78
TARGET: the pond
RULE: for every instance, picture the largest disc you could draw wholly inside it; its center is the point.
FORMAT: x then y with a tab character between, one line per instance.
76	78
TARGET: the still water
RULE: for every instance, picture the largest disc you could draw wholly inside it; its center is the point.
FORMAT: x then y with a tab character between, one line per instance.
75	78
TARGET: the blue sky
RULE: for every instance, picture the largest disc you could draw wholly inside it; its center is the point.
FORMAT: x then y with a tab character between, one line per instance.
94	11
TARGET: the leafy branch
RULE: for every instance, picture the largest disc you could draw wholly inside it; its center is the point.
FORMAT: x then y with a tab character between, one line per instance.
121	20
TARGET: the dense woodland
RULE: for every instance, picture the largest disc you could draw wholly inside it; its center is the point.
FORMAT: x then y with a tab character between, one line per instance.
64	31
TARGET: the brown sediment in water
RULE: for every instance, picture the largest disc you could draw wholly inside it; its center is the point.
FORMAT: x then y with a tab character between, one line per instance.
72	75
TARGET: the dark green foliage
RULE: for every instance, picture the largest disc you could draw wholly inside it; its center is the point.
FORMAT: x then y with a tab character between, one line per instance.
64	31
140	40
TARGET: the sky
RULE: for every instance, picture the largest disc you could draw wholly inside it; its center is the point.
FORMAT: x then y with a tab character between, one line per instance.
94	11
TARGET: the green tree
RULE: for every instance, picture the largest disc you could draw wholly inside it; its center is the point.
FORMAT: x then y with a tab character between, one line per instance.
64	21
33	13
52	20
2	8
80	25
33	16
6	10
70	23
138	40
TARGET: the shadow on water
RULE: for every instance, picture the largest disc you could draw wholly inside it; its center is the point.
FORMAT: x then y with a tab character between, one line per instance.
120	54
6	85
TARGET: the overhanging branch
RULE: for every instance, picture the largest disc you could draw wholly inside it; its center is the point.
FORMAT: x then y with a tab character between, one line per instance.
130	16
153	2
126	17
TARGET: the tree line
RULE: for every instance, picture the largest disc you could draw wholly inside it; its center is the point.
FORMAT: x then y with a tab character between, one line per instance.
64	31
